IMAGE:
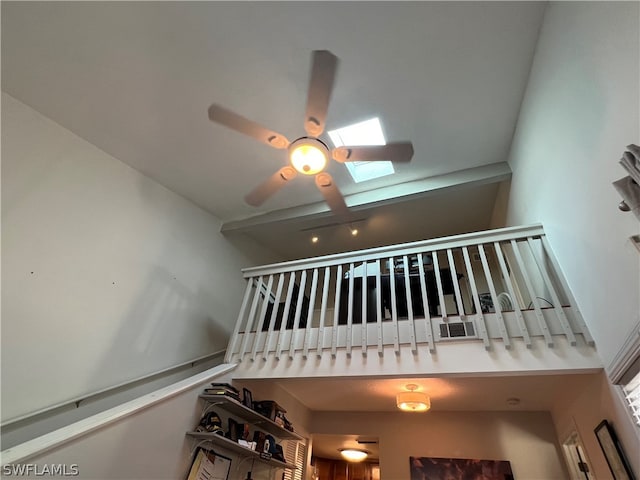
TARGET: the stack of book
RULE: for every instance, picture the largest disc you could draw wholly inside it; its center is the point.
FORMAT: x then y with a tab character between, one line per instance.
223	389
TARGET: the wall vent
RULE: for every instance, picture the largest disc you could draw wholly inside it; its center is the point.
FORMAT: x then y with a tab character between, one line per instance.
457	329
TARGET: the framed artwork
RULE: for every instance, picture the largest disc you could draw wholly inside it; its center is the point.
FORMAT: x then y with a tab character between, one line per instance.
247	398
613	452
208	465
459	468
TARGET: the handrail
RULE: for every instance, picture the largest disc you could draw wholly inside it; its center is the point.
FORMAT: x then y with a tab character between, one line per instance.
411	248
78	400
46	442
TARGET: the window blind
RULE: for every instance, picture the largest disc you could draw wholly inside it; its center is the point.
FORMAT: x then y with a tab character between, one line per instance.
295	453
632	394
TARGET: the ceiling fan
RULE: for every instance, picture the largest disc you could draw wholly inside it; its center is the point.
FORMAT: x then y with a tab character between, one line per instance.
309	155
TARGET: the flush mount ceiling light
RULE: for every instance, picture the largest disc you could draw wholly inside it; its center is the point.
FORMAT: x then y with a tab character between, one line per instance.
308	155
353	454
413	401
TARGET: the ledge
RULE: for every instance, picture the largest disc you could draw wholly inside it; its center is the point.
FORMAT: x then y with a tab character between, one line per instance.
63	435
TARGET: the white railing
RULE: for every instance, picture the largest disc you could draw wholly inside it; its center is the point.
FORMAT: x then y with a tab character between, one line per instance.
496	285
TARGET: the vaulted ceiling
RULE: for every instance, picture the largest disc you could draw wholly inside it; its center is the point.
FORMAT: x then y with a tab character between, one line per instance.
136	79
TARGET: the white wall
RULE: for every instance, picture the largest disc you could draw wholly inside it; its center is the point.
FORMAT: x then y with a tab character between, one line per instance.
106	274
526	439
583	410
580	110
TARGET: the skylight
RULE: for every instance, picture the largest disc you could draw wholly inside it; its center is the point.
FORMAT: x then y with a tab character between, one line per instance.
368	132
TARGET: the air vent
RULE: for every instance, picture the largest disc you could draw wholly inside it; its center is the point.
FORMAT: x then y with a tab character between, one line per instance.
457	329
363	441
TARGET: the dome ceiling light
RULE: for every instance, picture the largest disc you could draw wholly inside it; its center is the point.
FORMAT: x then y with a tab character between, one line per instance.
353	454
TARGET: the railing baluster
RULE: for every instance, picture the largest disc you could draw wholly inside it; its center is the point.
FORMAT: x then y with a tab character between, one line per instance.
425	304
312	304
263	313
350	296
407	290
557	306
296	318
294	326
379	308
252	313
236	331
456	285
274	315
494	298
323	310
336	312
285	314
567	291
511	291
436	272
534	299
363	325
480	324
394	309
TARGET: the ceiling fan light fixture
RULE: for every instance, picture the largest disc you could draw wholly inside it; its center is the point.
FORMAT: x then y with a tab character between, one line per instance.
308	155
354	454
413	401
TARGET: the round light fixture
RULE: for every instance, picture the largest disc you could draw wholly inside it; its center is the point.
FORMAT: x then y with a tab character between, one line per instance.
314	239
354	232
353	454
308	155
413	401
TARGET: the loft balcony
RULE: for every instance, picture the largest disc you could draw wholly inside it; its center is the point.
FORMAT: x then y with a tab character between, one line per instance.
500	289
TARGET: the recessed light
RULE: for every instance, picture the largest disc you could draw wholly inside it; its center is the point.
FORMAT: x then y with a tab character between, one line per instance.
314	239
354	231
513	401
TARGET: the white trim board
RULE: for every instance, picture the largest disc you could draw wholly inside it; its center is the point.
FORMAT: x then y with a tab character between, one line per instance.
63	435
626	356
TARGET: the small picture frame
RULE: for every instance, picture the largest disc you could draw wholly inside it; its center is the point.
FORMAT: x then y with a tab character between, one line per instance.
233	430
247	398
613	452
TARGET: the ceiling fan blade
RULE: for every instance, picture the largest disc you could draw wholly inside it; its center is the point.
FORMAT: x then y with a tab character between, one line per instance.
323	71
393	152
241	124
271	185
332	195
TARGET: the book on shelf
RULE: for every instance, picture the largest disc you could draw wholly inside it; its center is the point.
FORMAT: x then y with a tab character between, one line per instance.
227	386
221	392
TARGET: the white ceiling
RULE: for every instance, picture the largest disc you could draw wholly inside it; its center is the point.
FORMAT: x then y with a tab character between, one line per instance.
136	78
454	393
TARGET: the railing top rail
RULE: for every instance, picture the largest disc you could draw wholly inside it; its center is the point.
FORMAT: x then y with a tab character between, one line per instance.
454	241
